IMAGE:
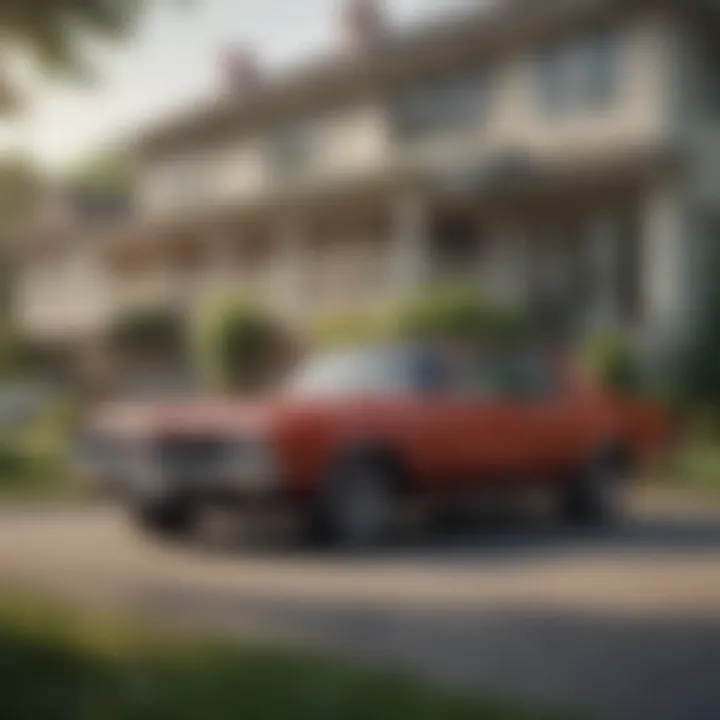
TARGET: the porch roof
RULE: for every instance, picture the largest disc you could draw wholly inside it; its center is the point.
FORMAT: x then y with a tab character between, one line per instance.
338	79
480	186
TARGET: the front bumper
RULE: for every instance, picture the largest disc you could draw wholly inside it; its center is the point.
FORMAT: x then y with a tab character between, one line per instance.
149	472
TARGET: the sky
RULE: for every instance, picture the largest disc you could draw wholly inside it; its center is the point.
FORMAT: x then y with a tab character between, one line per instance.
170	60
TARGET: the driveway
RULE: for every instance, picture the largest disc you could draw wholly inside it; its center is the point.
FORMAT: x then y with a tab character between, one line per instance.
623	622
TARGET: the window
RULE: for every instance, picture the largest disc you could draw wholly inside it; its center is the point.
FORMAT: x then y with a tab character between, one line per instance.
358	372
554	82
454	104
455	245
601	71
581	75
518	377
431	372
293	148
185	180
711	86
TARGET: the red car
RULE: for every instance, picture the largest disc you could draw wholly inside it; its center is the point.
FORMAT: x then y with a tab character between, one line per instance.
358	434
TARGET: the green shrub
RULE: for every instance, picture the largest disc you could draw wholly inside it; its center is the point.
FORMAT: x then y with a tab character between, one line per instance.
700	369
148	332
614	362
35	460
458	313
237	345
343	329
14	461
11	352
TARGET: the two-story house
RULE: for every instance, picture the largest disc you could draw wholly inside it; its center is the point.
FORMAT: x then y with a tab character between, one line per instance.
547	151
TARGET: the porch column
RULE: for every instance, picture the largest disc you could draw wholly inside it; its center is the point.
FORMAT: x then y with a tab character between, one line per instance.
286	281
410	253
222	263
504	265
667	285
603	241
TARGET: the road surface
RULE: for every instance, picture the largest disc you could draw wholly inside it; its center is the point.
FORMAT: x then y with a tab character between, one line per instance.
624	622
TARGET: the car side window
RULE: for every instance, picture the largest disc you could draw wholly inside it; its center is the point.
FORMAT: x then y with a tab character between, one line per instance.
513	378
528	379
432	373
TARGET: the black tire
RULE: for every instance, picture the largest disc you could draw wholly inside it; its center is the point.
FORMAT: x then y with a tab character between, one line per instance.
358	506
165	519
594	497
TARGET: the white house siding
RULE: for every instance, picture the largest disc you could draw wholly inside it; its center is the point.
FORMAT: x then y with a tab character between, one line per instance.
66	297
347	142
515	122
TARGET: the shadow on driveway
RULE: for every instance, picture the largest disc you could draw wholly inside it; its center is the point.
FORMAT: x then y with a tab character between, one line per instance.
623	665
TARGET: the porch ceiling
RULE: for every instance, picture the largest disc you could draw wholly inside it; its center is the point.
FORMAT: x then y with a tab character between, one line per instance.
522	179
515	180
307	200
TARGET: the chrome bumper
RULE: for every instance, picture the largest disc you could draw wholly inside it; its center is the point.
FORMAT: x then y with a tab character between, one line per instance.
141	469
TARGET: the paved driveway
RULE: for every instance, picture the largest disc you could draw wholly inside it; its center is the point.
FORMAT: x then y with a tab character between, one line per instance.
624	622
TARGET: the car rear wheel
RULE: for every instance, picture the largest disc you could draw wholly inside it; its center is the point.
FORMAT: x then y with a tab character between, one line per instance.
358	506
595	497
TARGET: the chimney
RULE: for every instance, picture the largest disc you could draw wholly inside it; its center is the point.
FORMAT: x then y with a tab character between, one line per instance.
363	26
239	70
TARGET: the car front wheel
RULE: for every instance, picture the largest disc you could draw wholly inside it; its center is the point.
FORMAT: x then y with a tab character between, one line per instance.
166	519
595	496
358	506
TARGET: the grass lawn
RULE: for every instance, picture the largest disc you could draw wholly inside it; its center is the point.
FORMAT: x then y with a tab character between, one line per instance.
59	664
35	458
697	466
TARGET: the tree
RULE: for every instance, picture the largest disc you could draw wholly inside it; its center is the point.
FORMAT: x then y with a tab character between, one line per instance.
238	346
700	369
108	173
613	361
53	35
19	185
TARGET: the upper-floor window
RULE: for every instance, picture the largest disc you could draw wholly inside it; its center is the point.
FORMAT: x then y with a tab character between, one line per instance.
583	75
180	181
453	104
292	148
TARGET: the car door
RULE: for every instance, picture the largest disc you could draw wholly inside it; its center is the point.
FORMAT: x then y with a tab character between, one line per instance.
517	419
440	417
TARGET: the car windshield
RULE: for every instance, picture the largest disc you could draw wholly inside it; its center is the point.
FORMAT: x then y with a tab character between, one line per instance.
354	372
409	370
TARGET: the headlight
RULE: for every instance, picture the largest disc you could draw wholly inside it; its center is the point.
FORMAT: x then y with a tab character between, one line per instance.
252	462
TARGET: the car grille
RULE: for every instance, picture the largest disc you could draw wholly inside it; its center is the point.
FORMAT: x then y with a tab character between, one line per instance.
183	454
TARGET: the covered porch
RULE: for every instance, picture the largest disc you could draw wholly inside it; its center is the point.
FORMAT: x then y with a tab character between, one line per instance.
597	242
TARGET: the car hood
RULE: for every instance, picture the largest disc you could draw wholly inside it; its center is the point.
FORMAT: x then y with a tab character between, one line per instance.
254	417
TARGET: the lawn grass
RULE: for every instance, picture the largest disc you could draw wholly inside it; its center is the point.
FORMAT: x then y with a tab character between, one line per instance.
35	459
60	664
697	466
